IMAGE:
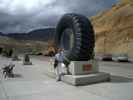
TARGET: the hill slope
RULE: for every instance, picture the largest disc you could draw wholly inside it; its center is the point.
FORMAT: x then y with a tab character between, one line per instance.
34	41
39	35
114	29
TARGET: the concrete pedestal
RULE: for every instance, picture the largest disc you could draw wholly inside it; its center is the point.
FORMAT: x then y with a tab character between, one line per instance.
86	79
27	63
83	67
85	72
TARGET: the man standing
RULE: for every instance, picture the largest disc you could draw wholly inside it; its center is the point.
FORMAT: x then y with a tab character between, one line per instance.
58	64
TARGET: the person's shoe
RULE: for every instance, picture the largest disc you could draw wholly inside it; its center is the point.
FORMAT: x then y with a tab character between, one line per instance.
58	79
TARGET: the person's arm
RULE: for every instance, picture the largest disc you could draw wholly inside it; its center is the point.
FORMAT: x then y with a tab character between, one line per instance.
56	61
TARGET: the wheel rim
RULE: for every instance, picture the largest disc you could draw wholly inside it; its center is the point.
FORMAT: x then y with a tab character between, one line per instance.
67	39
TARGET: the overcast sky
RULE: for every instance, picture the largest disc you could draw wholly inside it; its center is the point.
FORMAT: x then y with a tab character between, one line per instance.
25	15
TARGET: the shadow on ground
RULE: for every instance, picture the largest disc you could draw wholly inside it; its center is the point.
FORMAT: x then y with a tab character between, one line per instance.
16	76
120	79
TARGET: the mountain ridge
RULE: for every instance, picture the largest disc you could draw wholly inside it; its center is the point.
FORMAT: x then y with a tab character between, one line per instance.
38	34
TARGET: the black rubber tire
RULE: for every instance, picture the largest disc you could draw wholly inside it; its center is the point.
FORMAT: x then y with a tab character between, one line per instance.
84	38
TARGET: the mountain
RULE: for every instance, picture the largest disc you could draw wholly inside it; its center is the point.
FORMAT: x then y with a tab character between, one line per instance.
34	41
1	34
42	34
114	29
39	34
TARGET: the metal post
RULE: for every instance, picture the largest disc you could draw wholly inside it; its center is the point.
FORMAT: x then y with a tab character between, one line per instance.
104	43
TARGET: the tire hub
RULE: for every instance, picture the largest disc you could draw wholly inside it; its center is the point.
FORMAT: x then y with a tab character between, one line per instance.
67	40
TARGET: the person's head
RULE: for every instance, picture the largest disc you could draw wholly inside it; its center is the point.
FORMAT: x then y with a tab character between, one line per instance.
60	49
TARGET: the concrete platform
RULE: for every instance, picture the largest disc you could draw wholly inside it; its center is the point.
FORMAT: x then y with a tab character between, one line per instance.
86	79
77	80
27	63
82	73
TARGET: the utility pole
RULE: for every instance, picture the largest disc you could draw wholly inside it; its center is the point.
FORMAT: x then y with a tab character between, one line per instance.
104	43
127	44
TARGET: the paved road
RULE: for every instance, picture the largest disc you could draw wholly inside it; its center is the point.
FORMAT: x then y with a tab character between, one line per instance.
119	69
31	83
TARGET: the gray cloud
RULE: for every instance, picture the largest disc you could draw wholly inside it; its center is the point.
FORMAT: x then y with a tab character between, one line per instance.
25	15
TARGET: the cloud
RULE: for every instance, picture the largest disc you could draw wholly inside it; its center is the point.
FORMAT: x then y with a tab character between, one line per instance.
24	15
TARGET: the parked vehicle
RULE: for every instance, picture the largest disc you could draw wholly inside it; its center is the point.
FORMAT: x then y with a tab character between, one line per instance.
122	58
107	57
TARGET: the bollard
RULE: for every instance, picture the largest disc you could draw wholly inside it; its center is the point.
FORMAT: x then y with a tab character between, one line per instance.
26	60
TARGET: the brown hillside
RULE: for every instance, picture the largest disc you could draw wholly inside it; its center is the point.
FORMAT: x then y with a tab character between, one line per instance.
114	29
23	46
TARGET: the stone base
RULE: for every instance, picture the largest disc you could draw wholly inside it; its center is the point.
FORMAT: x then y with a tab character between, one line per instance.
83	73
27	63
77	80
86	79
83	67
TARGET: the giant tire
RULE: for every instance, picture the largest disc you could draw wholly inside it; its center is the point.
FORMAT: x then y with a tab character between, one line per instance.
82	45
